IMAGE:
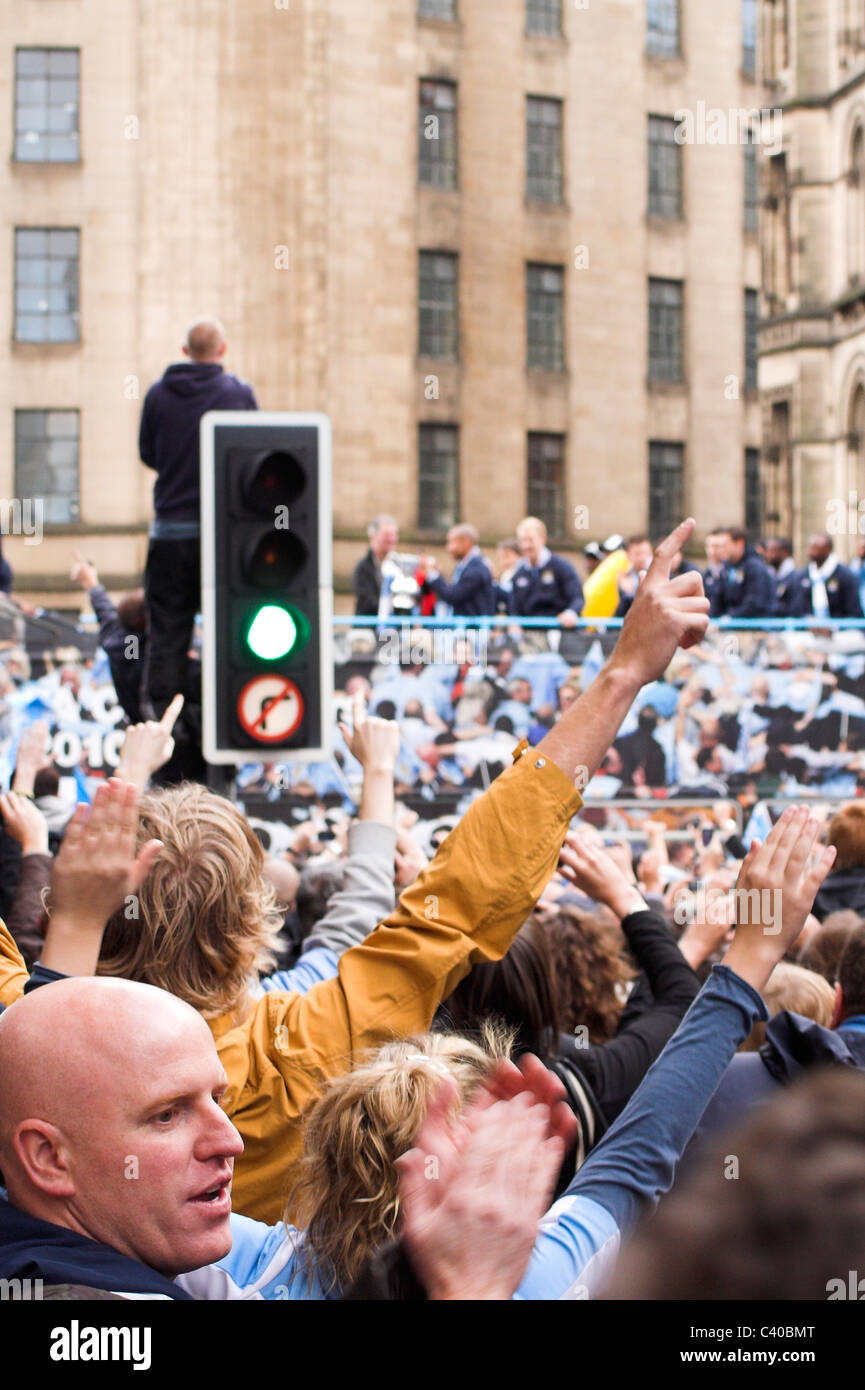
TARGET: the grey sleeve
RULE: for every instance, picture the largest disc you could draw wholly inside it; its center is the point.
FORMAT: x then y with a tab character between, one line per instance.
368	896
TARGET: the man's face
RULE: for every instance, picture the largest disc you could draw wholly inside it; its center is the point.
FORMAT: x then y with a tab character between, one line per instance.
521	691
386	539
735	549
819	549
153	1158
716	549
640	556
458	546
531	542
773	554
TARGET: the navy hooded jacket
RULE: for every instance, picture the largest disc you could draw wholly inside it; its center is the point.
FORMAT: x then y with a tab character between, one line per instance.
842	591
35	1249
168	437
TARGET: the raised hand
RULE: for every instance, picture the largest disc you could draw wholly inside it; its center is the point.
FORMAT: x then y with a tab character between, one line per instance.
83	573
588	865
774	892
373	741
31	756
665	614
148	746
25	823
472	1192
94	873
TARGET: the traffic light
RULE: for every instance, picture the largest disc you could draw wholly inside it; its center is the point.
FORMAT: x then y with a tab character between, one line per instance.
266	586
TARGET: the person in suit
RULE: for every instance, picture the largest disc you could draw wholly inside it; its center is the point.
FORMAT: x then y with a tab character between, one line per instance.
383	535
824	588
470	593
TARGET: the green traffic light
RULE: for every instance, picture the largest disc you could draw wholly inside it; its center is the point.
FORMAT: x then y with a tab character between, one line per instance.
272	633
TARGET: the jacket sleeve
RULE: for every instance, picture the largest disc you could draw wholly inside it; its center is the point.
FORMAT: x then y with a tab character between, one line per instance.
368	896
758	599
850	595
26	910
615	1069
635	1162
145	436
465	907
571	587
112	633
469	588
13	972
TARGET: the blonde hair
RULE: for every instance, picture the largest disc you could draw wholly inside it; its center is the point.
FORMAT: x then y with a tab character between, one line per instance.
205	921
795	988
345	1198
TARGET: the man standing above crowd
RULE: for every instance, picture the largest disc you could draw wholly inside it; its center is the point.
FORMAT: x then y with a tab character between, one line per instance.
383	535
825	588
168	443
747	583
545	585
639	550
713	574
470	593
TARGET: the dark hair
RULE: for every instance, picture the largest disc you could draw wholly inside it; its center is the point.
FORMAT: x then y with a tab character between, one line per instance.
588	954
790	1227
386	709
851	973
132	612
46	782
317	885
504	723
520	990
824	949
735	533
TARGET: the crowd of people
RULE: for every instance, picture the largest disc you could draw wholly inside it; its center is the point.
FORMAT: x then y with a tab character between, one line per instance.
359	1048
525	579
350	1065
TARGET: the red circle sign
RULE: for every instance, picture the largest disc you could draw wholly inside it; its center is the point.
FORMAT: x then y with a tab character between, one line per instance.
270	708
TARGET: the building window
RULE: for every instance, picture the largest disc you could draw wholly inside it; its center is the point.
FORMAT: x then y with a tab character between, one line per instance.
544	17
545	317
776	239
856	441
749	38
546	481
437	134
751	316
437	9
753	495
437	305
752	187
46	462
778	472
438	477
662	28
46	285
666	487
665	168
856	209
665	330
46	105
543	150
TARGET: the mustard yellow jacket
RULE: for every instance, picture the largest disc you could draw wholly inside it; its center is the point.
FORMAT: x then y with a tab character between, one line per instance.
464	908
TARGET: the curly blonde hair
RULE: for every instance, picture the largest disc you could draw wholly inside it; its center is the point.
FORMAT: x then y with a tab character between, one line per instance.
345	1198
205	921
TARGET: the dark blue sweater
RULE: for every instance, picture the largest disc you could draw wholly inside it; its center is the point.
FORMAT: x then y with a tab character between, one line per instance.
168	438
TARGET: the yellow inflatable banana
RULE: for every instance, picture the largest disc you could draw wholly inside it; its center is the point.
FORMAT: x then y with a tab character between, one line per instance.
600	590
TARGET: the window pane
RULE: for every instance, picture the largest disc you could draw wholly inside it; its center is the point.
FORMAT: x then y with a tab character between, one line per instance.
46	100
437	134
753	496
46	285
544	17
665	168
437	305
437	9
544	317
752	188
46	461
665	488
749	37
543	150
438	477
546	480
751	311
665	330
662	28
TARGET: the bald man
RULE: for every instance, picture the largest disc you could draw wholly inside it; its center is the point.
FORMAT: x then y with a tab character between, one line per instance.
168	443
117	1156
471	592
